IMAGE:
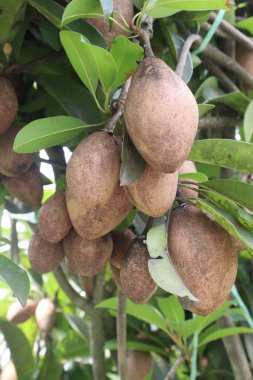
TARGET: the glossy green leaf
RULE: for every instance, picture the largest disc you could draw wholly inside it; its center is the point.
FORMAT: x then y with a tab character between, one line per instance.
47	132
146	313
11	17
237	191
82	9
171	309
246	24
209	89
231	154
160	265
228	222
136	345
222	333
204	108
71	346
21	351
198	177
248	122
132	163
51	367
16	278
238	101
126	55
107	7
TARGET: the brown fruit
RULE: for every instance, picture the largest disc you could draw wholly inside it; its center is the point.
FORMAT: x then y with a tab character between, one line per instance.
154	192
92	175
9	372
96	222
45	315
121	242
13	164
125	8
185	192
18	314
87	257
28	187
139	364
44	256
245	57
54	223
204	256
8	104
163	121
136	281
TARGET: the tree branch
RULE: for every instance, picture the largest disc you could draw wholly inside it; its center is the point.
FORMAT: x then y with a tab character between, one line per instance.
173	371
185	51
121	335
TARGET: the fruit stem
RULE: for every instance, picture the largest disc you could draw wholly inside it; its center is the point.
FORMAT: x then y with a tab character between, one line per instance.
184	53
119	25
121	335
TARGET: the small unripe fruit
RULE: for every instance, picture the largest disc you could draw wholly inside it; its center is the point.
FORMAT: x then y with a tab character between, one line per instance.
8	104
44	256
18	314
45	315
54	222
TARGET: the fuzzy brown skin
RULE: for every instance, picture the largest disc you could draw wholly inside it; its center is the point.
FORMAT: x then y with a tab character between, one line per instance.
115	272
121	242
9	372
18	314
92	175
245	57
45	315
87	257
139	364
125	8
54	222
8	104
98	221
161	116
204	256
44	256
184	192
13	164
154	192
136	281
28	187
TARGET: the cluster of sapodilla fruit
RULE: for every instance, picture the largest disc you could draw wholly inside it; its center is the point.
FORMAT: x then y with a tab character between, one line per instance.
161	117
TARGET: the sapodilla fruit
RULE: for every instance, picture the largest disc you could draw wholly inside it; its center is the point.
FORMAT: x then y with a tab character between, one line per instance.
204	255
154	192
186	192
87	257
8	104
18	314
96	222
139	364
45	315
161	115
54	222
125	8
136	281
28	187
44	256
13	164
9	372
92	175
121	242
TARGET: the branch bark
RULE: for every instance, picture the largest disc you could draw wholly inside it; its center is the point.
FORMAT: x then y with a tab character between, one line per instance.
121	335
185	51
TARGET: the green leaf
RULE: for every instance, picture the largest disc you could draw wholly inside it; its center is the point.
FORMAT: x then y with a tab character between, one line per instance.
222	333
238	101
171	309
163	8
238	191
146	313
204	108
132	163
90	62
11	17
188	67
209	89
107	7
198	177
160	265
82	9
246	24
230	154
21	351
228	222
248	122
71	346
47	132
126	55
51	367
136	345
16	278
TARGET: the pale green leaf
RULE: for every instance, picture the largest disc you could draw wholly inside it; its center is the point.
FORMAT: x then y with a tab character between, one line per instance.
222	333
82	9
248	122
